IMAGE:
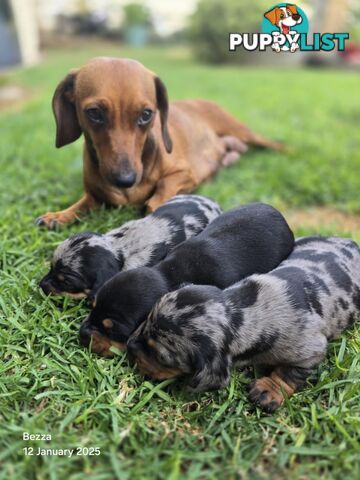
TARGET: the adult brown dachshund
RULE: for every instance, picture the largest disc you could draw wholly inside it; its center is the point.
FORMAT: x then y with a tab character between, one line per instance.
131	155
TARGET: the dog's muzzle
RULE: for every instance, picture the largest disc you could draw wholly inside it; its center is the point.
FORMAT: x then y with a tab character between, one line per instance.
86	330
124	180
46	286
123	175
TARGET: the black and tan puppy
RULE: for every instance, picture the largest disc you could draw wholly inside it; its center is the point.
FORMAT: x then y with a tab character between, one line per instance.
282	320
248	239
85	261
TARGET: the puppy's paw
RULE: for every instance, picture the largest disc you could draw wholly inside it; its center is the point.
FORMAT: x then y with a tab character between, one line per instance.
230	158
53	220
233	150
276	48
269	392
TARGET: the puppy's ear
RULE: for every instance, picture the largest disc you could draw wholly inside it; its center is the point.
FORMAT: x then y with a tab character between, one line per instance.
107	268
210	374
292	8
271	15
163	106
63	103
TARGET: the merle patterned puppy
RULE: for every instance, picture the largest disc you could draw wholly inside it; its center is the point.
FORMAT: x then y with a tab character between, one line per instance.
282	320
248	239
85	261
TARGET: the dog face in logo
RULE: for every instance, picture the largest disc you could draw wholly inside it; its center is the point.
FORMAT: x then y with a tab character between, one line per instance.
284	17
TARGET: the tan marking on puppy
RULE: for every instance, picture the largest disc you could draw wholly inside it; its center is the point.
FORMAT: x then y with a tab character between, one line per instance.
153	369
101	345
108	323
76	296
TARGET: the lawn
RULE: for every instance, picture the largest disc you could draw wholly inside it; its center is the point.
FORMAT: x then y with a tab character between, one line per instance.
145	430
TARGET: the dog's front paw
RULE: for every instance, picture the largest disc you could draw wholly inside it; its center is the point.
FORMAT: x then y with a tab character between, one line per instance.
294	47
276	47
267	394
52	220
153	203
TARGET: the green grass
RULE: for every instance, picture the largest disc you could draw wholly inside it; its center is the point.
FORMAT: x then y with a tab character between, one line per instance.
149	430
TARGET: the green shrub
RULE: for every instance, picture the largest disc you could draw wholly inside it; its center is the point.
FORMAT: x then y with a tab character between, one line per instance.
136	14
213	20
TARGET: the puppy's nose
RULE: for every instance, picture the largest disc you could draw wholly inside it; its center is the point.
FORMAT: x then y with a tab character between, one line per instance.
132	347
85	333
45	286
124	179
295	16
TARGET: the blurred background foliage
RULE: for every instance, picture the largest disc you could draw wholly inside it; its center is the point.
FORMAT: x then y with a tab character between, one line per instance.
214	17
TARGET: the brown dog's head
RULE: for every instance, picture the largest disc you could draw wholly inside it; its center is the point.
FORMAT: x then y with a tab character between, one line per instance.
114	103
284	17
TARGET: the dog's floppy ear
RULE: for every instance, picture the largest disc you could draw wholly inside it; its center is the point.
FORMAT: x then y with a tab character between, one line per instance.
163	106
63	103
102	267
210	374
271	15
292	8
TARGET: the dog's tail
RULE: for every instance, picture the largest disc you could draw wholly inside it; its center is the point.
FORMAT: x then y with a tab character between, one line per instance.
226	125
262	142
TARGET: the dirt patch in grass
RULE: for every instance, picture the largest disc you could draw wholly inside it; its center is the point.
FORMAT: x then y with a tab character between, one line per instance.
328	217
12	96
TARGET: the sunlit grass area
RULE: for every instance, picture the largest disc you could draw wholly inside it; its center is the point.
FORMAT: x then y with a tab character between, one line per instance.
49	384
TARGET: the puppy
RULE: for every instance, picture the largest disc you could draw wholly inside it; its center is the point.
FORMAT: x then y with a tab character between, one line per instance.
284	18
248	239
140	149
283	320
85	261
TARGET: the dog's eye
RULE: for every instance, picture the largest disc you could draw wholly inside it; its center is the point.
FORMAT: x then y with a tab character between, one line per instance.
282	15
145	117
95	115
161	358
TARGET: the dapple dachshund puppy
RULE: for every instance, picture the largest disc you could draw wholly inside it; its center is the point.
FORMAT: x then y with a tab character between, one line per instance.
85	261
248	239
139	149
283	320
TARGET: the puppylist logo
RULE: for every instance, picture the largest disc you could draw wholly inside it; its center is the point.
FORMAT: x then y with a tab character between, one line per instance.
285	28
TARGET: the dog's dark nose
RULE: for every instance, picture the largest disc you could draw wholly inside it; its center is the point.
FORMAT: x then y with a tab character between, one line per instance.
132	347
125	179
295	16
85	333
45	286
